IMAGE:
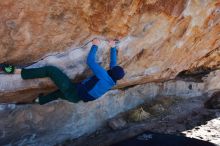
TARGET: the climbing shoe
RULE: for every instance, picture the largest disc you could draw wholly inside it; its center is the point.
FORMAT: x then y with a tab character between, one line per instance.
8	69
36	100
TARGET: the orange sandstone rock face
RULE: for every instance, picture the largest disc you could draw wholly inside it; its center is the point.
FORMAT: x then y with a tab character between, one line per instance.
48	26
160	38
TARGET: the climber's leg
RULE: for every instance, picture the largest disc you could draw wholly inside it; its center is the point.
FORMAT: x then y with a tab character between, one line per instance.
54	96
61	80
50	97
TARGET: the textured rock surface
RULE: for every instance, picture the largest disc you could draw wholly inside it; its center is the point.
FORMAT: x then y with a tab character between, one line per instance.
57	121
160	39
213	102
190	122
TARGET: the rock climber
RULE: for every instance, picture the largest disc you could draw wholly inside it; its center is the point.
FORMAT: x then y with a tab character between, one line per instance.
88	90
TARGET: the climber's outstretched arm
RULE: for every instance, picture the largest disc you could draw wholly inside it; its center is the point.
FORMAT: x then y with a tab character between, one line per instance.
98	70
113	54
113	57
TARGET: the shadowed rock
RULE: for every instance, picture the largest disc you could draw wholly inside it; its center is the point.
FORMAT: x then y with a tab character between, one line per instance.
214	101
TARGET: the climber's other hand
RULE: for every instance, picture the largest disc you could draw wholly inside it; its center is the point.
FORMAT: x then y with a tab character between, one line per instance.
112	43
96	42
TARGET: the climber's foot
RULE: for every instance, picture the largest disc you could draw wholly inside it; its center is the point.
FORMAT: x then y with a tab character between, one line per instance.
36	101
7	68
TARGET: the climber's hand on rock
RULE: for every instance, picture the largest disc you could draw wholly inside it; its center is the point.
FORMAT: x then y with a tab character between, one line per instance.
112	43
96	42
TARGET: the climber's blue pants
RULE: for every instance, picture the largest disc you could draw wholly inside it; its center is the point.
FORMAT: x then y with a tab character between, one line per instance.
67	90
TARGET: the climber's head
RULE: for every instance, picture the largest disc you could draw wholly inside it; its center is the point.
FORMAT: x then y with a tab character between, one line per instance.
116	73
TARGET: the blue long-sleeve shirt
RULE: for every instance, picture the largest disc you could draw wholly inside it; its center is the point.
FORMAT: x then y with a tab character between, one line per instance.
98	84
113	58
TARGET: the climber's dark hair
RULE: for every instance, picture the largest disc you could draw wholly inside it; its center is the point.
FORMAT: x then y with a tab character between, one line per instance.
116	73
